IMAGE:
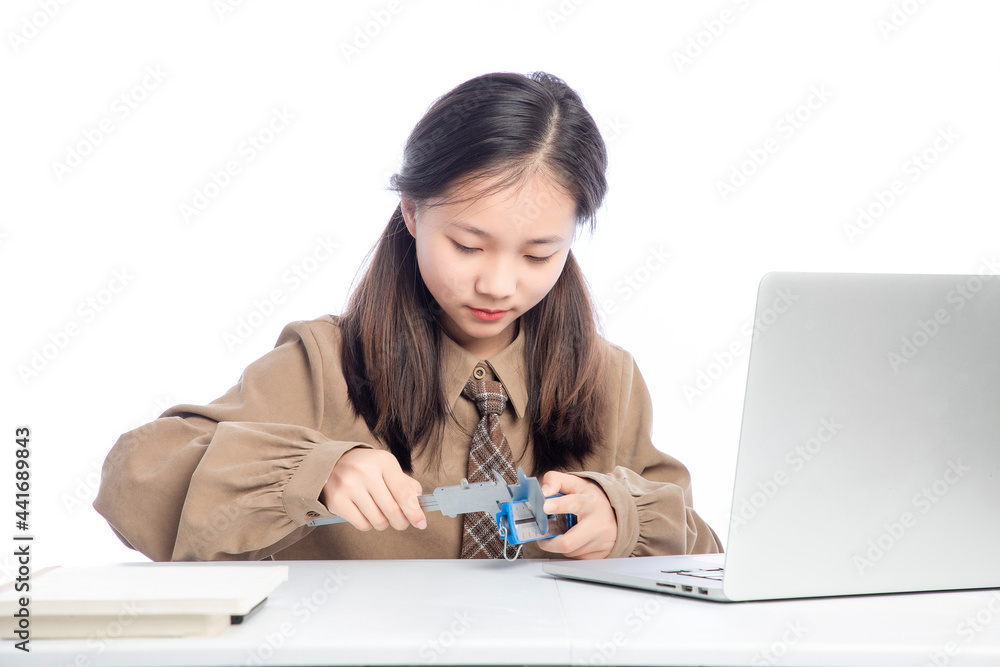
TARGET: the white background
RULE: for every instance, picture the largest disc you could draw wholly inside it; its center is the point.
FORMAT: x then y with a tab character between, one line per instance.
891	76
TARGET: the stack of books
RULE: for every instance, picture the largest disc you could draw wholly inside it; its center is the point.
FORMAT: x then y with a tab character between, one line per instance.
135	599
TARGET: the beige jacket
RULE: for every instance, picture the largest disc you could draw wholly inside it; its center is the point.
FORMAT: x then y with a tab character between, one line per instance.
239	478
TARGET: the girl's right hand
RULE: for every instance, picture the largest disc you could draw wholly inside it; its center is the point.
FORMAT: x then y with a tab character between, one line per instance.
369	490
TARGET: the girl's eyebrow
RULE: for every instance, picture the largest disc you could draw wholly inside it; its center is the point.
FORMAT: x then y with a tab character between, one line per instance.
480	233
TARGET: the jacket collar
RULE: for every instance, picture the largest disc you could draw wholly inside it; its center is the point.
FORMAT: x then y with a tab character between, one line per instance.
508	365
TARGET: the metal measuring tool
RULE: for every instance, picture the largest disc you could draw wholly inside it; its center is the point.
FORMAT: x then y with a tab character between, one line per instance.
517	507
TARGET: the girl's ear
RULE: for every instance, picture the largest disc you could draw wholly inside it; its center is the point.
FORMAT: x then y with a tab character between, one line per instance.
409	209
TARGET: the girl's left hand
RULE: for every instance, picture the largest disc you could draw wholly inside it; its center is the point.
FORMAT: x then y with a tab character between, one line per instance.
596	529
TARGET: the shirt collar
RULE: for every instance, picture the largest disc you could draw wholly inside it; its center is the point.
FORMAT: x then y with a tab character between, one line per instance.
508	365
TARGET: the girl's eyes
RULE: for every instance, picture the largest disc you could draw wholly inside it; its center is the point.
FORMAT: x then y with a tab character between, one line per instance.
536	260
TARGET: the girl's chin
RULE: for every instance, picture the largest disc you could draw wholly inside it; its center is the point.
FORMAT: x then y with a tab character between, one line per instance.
479	337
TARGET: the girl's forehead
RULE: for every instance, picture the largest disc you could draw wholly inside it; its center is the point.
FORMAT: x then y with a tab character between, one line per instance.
524	219
534	198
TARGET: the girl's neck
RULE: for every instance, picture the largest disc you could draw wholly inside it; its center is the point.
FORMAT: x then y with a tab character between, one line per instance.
484	348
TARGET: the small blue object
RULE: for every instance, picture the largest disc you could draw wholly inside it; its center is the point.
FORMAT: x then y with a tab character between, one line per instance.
521	517
518	522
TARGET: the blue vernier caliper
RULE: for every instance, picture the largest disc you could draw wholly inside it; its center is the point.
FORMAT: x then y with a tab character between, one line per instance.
518	508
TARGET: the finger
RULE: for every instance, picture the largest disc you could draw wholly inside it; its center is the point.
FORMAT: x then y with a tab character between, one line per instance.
353	515
591	548
369	507
587	545
576	541
390	509
574	503
561	544
590	555
552	482
558	482
404	490
580	550
546	545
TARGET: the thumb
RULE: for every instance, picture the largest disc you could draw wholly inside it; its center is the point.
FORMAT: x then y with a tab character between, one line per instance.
559	482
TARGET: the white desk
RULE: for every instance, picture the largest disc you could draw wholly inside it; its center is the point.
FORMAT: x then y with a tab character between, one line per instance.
468	612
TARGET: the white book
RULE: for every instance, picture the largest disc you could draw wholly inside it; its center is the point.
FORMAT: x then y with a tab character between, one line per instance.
137	599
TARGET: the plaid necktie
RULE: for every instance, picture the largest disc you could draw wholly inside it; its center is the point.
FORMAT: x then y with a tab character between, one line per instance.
489	451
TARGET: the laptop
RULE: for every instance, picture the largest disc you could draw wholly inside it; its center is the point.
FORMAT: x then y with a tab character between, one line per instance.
869	451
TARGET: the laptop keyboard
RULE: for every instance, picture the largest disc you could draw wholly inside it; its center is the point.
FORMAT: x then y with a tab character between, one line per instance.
714	573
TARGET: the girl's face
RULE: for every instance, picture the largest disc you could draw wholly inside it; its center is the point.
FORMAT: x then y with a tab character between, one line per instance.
488	261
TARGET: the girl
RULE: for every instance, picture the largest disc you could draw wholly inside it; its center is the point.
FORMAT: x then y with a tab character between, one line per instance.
471	299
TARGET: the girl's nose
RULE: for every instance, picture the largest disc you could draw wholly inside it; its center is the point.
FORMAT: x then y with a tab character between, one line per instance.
497	281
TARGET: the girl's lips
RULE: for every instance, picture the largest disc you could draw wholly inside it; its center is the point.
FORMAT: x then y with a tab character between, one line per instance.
488	315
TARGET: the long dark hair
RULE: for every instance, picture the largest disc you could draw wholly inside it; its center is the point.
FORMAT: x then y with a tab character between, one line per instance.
499	127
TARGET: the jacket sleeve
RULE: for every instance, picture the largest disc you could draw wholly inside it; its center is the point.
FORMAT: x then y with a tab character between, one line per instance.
236	479
649	490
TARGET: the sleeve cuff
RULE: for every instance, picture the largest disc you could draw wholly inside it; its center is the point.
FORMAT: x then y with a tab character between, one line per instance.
626	513
301	496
